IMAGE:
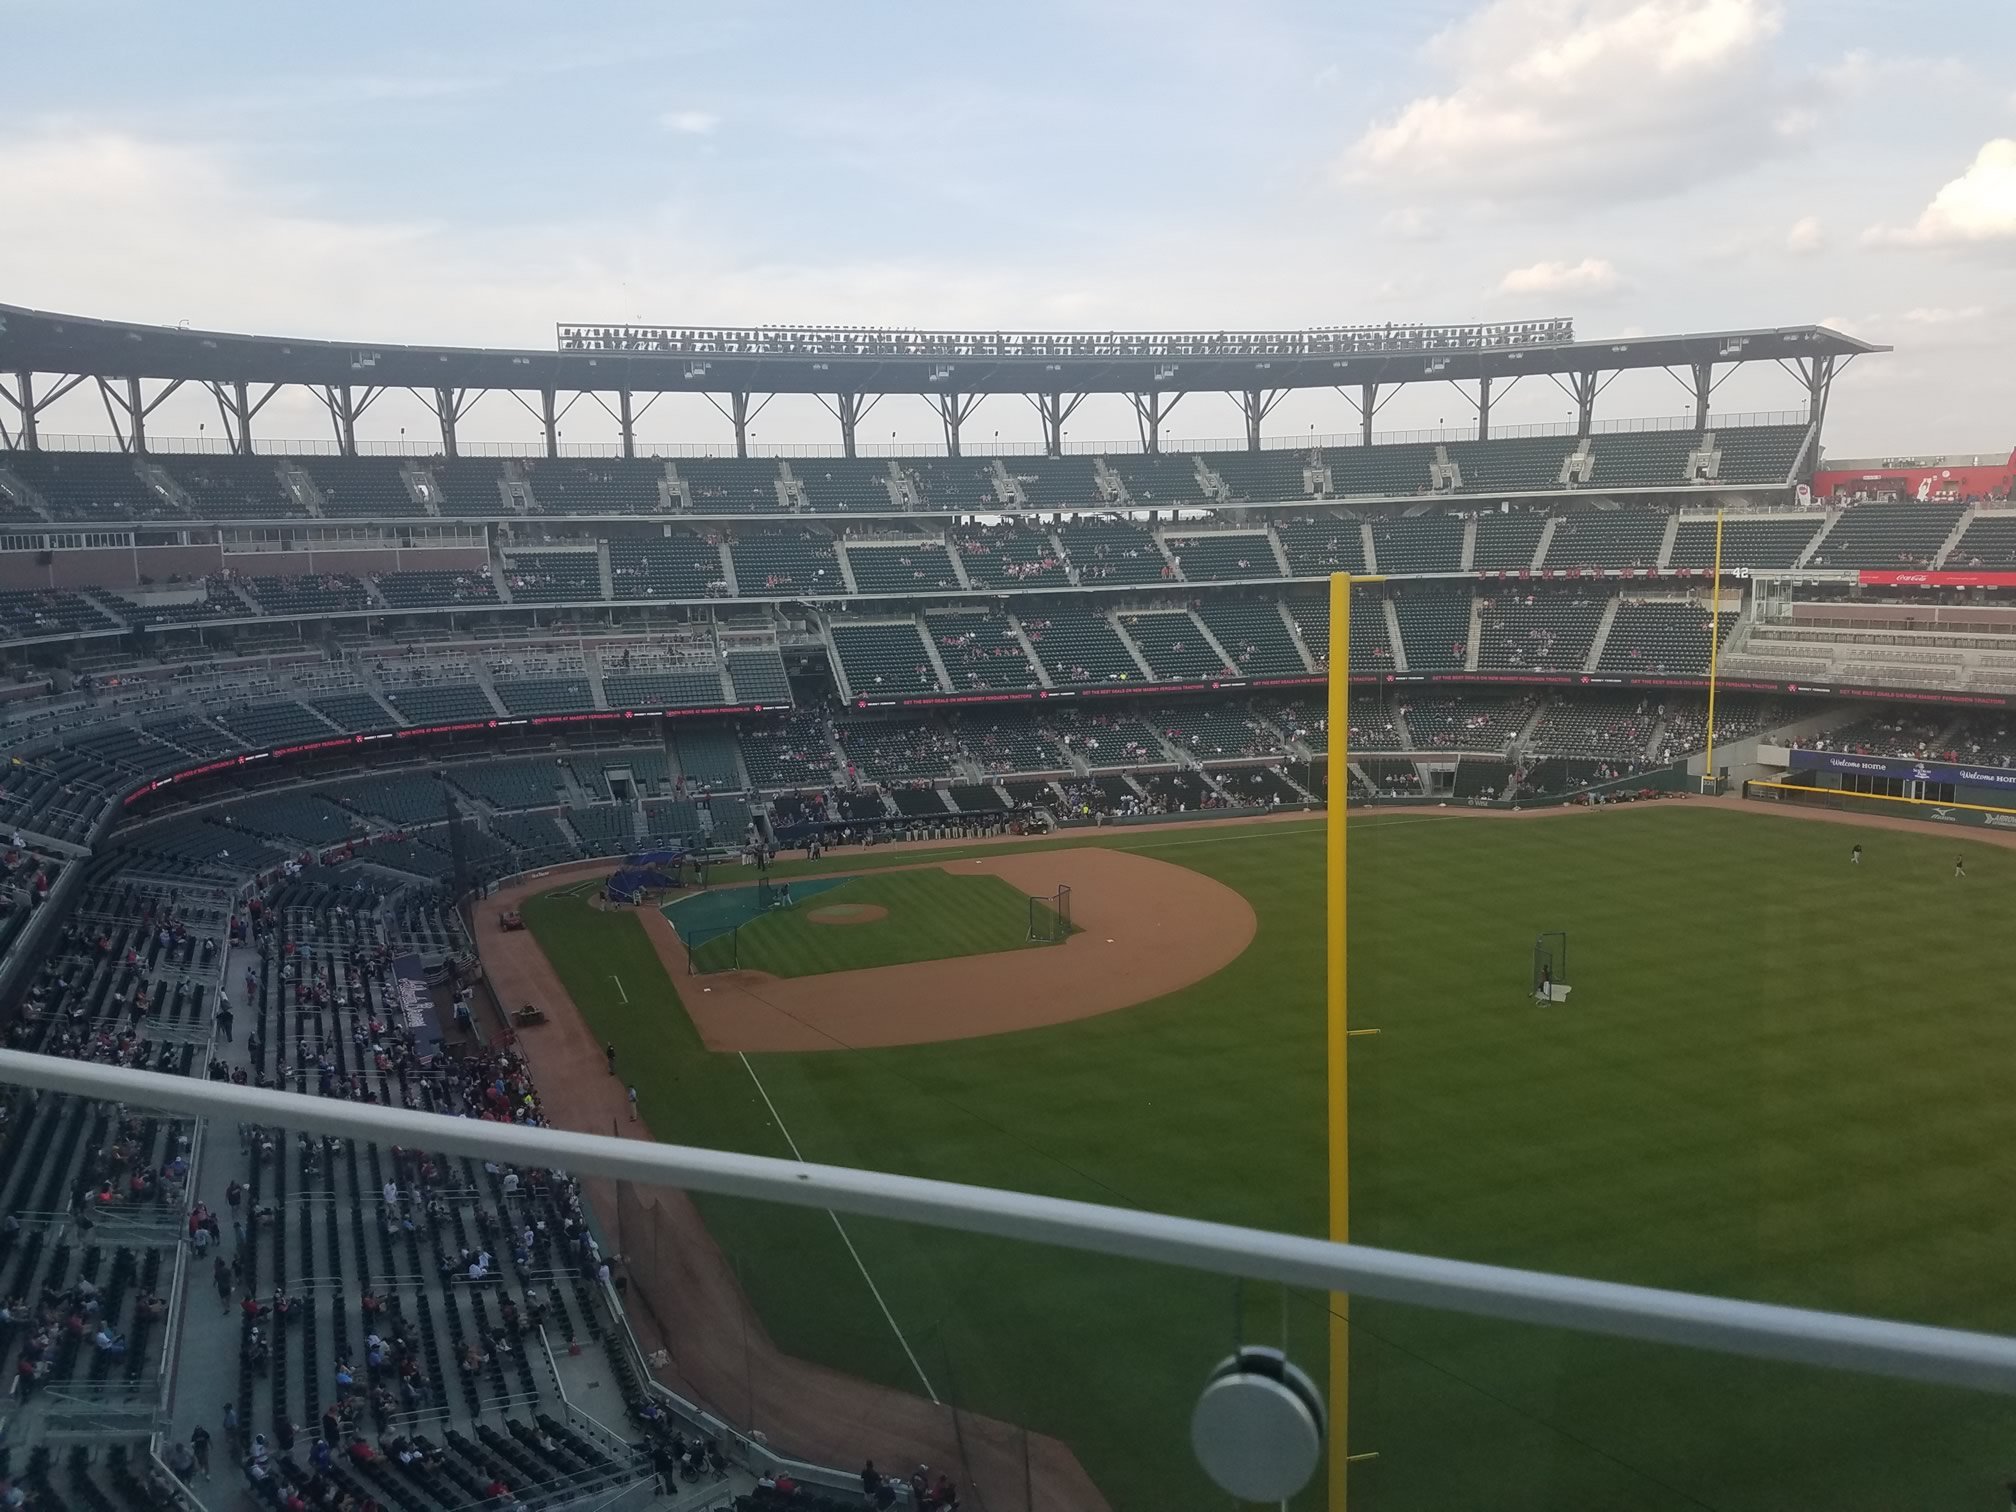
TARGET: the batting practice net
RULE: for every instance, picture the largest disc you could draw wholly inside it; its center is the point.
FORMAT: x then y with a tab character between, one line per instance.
1050	917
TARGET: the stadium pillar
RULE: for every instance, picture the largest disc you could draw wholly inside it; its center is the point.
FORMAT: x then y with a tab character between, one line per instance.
1484	408
850	412
1585	403
241	404
738	404
344	412
31	434
1256	405
136	415
626	424
1704	386
1053	412
447	408
1818	375
549	419
1149	413
1367	405
955	410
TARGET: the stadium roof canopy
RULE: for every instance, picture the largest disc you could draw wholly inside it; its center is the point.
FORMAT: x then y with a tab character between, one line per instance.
849	367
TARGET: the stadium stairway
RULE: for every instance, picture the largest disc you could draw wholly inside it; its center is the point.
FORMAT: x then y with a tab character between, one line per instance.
1127	641
1953	537
1609	620
931	643
1665	557
1475	648
1393	636
1820	539
1540	549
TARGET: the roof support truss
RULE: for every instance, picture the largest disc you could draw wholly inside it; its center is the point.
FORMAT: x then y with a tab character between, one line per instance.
954	410
738	414
345	408
549	414
1054	409
850	410
448	405
1150	410
135	406
1367	405
1256	405
236	410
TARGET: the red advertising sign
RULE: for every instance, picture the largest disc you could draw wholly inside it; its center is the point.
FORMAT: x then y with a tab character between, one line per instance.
1890	579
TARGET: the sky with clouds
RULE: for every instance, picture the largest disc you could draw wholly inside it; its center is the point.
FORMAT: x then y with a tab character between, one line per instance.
470	173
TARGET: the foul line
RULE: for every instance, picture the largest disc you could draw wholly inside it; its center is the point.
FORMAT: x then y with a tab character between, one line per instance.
619	985
874	1290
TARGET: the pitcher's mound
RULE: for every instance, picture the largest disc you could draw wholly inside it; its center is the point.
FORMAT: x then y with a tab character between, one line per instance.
847	913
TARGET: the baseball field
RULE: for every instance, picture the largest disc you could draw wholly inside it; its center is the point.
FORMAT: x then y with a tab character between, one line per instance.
1779	1076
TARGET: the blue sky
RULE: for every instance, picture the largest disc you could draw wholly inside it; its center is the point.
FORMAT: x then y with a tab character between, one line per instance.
472	173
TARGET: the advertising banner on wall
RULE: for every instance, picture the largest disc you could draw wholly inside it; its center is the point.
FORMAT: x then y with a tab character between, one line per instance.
2002	779
1889	578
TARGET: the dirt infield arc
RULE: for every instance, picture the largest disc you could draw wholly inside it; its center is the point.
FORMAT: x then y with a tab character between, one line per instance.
1146	928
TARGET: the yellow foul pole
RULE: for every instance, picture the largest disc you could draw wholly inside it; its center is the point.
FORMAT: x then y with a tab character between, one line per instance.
1335	1040
1714	650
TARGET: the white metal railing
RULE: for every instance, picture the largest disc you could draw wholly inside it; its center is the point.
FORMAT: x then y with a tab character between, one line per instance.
1910	1351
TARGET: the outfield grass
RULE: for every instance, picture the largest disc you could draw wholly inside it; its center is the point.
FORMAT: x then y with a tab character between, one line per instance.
1779	1077
932	915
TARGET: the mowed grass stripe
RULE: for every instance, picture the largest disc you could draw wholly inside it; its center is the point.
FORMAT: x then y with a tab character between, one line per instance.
932	916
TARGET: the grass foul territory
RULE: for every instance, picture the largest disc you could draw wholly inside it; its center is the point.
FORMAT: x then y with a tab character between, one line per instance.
930	916
1780	1077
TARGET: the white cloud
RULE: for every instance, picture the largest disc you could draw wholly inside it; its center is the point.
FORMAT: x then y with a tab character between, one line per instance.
1592	275
1408	223
1622	97
1977	208
690	122
1939	315
1806	236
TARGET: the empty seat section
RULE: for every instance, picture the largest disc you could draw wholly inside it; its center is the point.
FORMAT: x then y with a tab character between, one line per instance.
1262	475
435	590
1223	556
792	752
759	676
232	488
277	721
1174	645
1010	740
1746	542
1661	640
1607	538
1429	543
707	758
842	483
1988	541
1888	535
671	822
1537	632
1611	729
363	487
531	783
1056	482
553	577
1403	468
1079	646
314	593
89	487
885	657
770	563
913	567
1320	546
468	485
952	482
31	612
678	566
356	712
441	703
980	649
1762	455
1253	635
1516	464
1641	459
692	688
1158	481
600	485
1213	730
1371	644
898	749
1464	722
731	485
544	695
1108	550
1506	542
1434	627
